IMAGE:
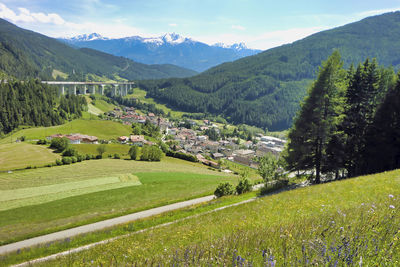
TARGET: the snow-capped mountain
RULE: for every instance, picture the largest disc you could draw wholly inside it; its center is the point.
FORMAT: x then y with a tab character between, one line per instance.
170	48
88	37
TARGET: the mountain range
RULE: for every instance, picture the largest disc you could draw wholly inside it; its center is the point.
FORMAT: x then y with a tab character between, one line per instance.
265	89
170	48
25	53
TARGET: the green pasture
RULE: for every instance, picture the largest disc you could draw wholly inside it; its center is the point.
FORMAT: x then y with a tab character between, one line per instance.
141	95
21	155
353	222
44	200
101	129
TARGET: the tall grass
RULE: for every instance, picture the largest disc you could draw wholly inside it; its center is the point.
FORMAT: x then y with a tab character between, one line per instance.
346	223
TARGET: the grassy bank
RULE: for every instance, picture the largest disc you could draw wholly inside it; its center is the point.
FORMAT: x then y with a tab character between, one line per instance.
101	129
340	223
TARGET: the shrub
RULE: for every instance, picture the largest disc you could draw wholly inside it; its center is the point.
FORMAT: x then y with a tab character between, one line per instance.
117	156
99	156
59	162
224	189
244	186
133	152
88	157
278	184
80	158
180	155
59	144
41	142
151	153
69	152
66	160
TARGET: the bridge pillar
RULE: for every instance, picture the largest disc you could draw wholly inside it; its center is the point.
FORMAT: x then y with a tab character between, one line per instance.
82	90
92	90
74	89
62	89
115	90
102	89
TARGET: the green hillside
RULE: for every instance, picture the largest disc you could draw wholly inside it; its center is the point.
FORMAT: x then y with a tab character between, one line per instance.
265	89
102	129
25	54
336	224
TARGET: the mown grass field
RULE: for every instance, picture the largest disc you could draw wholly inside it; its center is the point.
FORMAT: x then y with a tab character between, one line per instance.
43	200
141	95
101	129
21	155
353	222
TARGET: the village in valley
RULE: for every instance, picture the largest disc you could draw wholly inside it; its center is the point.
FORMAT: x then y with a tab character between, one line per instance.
200	138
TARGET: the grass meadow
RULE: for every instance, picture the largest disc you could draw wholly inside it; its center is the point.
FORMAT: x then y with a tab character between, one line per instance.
21	155
39	201
344	223
101	129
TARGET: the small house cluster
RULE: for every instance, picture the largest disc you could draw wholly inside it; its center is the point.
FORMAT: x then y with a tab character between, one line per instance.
76	138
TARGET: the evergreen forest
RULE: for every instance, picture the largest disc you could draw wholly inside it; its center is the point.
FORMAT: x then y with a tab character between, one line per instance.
32	103
349	123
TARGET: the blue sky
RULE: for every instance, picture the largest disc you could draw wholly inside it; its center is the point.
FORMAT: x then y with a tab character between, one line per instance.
259	24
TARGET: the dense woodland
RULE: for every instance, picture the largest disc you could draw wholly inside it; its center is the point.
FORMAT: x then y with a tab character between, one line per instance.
265	90
349	124
35	104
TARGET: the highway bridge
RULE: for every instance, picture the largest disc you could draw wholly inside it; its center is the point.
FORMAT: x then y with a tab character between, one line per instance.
83	88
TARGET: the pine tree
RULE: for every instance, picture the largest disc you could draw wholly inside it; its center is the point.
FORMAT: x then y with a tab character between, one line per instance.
316	121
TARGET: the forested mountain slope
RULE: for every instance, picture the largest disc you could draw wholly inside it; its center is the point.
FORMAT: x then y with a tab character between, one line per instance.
25	54
266	89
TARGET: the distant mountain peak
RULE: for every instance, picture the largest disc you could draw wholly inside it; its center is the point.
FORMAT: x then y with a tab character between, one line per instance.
88	37
237	47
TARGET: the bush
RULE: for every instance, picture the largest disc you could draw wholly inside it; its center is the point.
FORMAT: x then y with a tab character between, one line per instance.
151	153
41	142
117	156
59	144
244	186
133	152
99	156
278	184
74	159
180	155
69	152
66	160
88	157
80	158
224	189
59	162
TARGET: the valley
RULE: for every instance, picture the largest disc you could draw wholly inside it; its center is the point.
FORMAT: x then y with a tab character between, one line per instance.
168	151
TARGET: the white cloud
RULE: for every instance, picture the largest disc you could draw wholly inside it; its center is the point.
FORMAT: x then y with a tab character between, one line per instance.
376	12
238	27
173	25
54	25
25	16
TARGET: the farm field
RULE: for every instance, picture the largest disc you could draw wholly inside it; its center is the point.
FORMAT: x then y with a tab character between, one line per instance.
349	222
99	128
21	155
39	201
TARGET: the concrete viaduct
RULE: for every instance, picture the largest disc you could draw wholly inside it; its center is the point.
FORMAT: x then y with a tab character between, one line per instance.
118	88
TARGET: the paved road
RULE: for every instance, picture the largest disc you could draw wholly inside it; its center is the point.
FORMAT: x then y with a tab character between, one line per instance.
99	225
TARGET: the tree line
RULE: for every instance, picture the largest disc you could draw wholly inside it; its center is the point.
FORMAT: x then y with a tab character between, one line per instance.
35	104
349	123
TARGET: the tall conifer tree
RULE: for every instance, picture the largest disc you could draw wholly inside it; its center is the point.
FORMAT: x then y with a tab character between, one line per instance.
317	119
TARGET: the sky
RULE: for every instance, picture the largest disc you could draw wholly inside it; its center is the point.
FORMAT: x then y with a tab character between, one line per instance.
260	24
